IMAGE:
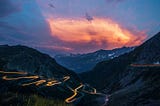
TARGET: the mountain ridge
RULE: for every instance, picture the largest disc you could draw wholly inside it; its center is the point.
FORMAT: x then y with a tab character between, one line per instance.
84	62
128	74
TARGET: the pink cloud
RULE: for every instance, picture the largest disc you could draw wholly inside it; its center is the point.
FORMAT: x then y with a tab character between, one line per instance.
105	33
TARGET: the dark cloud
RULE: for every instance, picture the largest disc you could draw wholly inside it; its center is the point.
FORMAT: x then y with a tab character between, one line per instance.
88	17
7	7
90	32
5	25
114	0
51	5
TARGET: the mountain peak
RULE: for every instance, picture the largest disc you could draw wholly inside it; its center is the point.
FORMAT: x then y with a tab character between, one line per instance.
149	52
30	60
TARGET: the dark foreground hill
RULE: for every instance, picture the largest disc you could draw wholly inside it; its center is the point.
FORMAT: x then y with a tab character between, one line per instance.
30	60
131	79
25	72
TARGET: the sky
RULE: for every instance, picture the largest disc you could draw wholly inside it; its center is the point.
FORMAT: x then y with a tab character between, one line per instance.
78	26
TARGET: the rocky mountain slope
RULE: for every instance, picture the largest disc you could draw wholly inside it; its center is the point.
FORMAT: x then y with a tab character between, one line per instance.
132	78
84	62
26	71
30	60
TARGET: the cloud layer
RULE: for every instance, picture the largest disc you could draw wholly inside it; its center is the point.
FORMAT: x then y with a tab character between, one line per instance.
7	7
100	32
74	25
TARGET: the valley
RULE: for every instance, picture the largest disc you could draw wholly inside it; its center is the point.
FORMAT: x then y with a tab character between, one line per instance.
85	62
79	53
24	79
132	78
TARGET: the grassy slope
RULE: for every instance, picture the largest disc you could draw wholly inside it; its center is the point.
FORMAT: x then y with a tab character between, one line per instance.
12	99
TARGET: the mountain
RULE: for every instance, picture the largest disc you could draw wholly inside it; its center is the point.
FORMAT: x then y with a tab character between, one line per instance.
83	62
132	78
52	52
30	60
26	73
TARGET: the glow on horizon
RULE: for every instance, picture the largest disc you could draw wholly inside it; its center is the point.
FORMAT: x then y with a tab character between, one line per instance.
99	30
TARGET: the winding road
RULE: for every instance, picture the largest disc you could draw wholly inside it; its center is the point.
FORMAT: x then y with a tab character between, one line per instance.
78	92
145	65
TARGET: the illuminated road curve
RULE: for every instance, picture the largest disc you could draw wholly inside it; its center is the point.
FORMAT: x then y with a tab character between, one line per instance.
5	72
75	91
145	65
50	82
17	78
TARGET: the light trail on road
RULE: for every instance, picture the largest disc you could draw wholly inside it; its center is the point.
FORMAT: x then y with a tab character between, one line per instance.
5	72
145	65
66	78
27	77
72	98
54	82
49	82
37	83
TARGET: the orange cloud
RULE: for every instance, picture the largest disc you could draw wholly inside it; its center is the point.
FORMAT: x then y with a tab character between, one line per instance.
99	30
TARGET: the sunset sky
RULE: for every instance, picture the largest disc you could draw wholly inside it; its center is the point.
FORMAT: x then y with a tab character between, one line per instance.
78	26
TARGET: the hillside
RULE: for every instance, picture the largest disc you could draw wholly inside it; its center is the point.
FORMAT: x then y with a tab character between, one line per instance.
84	62
25	72
130	74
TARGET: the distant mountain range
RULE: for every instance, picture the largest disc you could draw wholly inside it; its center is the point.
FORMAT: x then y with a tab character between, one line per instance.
84	62
132	79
